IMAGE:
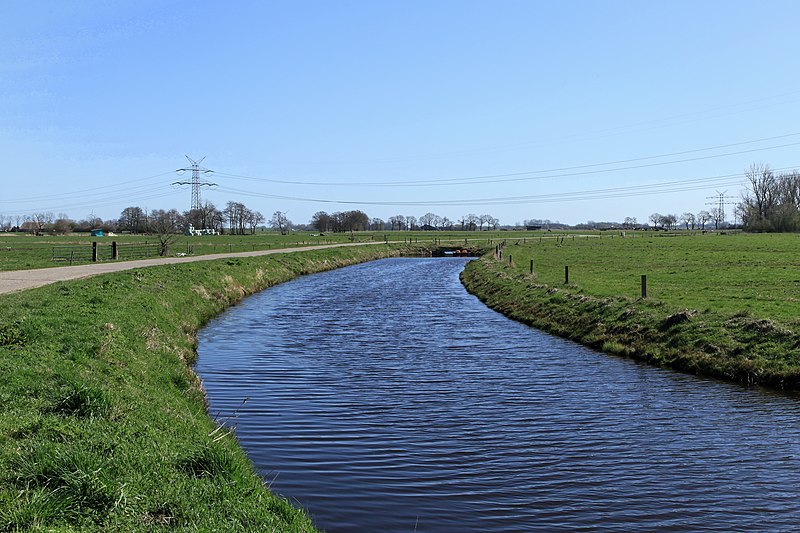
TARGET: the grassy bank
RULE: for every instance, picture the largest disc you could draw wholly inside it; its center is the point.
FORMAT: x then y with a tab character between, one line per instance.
717	305
104	424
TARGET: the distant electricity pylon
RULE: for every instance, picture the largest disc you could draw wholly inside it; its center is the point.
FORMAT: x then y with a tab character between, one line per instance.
720	203
195	183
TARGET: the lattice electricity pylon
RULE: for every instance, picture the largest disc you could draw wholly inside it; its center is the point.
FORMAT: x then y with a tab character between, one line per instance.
721	203
195	183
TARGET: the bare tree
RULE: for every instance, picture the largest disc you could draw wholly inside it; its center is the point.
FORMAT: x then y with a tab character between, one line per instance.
718	216
428	219
688	218
280	222
656	219
321	221
132	219
485	219
764	188
166	226
472	222
40	220
399	221
703	217
255	218
411	222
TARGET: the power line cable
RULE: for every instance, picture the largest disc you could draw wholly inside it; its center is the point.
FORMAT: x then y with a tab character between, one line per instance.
613	192
517	176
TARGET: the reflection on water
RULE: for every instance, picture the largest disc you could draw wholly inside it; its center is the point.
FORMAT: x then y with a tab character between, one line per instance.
383	397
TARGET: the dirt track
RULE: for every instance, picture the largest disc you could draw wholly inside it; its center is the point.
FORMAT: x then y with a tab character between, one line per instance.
18	280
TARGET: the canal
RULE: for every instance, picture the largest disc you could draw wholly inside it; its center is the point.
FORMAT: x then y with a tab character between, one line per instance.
384	397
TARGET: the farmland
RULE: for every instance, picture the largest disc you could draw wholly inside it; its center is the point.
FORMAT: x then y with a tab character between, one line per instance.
717	304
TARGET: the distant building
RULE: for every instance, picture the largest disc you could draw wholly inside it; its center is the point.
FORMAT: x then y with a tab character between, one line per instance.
191	232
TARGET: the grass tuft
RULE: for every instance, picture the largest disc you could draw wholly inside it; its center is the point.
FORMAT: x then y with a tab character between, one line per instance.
83	401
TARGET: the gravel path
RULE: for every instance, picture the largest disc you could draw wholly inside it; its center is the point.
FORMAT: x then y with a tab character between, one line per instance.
19	280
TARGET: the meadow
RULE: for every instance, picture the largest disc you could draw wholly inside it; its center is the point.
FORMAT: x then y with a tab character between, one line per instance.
20	251
728	273
717	304
104	425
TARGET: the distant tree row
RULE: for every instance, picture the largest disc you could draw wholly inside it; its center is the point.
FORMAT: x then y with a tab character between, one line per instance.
235	218
341	221
47	222
429	221
688	219
773	201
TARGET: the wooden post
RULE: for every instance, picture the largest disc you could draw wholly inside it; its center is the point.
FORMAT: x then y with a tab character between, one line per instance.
531	266
509	258
566	275
501	254
114	251
94	251
644	286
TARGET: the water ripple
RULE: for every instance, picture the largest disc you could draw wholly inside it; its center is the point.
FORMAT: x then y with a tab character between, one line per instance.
383	397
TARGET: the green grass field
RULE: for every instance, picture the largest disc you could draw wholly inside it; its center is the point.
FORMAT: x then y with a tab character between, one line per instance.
25	251
757	273
717	304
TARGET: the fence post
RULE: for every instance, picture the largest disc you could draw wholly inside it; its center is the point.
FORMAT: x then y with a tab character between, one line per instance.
114	251
566	275
94	251
509	258
501	254
531	266
644	286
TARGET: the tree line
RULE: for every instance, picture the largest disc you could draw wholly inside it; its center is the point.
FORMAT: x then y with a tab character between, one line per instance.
234	218
360	221
773	201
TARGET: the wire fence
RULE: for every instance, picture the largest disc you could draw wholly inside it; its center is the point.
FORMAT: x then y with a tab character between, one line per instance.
94	252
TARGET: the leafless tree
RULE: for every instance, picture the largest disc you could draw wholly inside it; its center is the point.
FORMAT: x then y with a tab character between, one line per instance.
472	222
764	190
428	219
688	219
166	225
280	222
703	217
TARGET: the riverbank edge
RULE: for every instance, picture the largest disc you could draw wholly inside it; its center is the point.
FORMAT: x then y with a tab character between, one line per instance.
738	348
106	424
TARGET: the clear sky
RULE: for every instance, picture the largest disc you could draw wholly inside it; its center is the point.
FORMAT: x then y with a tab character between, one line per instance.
395	106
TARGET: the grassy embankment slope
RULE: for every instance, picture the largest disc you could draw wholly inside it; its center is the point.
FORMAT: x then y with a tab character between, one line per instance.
103	424
718	305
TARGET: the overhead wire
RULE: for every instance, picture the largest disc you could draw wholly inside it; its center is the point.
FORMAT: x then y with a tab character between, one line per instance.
611	192
547	173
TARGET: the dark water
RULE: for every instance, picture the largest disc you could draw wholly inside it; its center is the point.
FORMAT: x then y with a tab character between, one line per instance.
383	397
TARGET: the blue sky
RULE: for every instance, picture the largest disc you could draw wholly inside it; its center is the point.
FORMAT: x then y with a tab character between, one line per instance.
395	107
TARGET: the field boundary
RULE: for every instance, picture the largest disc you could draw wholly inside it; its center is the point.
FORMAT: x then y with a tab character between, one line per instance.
18	280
